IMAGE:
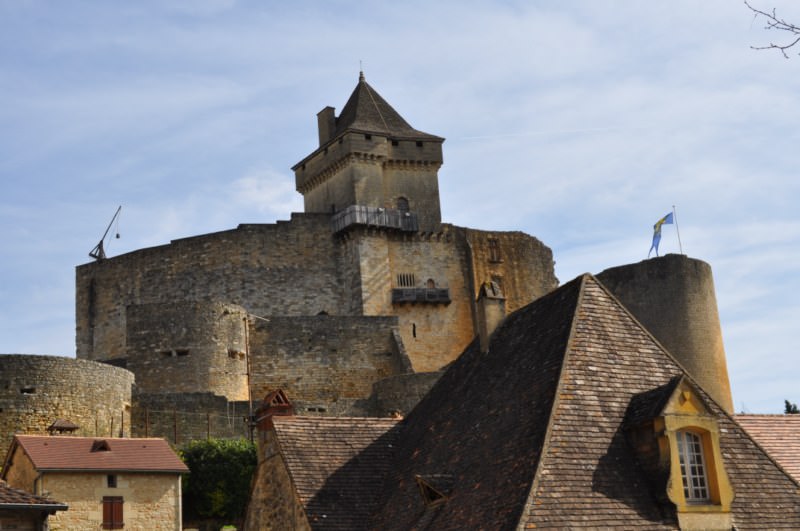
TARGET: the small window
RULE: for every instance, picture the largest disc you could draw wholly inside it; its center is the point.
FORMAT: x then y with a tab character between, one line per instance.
395	143
100	445
494	250
367	137
325	151
431	284
112	512
111	481
405	280
419	143
402	204
27	390
693	467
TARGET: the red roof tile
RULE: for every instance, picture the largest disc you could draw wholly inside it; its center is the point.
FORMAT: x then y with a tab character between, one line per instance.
779	435
11	498
75	453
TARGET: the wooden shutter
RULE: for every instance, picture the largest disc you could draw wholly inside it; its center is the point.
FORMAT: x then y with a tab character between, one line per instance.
112	512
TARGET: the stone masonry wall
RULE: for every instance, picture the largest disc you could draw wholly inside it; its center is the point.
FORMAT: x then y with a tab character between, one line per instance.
521	264
288	268
188	347
37	390
324	364
151	502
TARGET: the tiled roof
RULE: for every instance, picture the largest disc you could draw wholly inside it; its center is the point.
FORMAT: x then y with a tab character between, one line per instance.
11	498
532	431
366	111
75	453
779	435
337	466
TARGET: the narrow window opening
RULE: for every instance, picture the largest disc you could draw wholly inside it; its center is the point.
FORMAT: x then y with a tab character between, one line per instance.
341	139
111	481
395	143
431	284
419	143
494	250
28	390
367	137
414	329
325	151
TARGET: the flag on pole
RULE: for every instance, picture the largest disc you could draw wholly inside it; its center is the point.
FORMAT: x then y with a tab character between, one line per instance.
657	232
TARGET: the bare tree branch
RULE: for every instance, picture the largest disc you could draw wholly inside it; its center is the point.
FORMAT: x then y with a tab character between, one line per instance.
775	23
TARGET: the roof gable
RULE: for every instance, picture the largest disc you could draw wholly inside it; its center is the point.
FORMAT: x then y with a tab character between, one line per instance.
337	465
50	453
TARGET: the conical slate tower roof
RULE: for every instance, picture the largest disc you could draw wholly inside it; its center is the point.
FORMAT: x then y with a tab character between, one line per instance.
367	112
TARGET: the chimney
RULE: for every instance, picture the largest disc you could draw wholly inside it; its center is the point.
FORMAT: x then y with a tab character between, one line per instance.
275	404
326	121
491	311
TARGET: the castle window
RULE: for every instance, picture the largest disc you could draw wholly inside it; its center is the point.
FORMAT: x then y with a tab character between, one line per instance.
395	143
175	352
402	204
367	137
405	280
419	143
28	390
494	250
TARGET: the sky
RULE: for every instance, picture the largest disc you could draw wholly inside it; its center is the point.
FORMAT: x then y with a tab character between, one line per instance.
581	123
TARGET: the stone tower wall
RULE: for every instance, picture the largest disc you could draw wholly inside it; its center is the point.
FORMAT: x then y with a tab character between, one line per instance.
37	390
324	364
188	347
673	297
288	268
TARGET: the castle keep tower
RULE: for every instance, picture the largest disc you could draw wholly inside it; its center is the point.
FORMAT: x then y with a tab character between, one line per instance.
372	165
673	297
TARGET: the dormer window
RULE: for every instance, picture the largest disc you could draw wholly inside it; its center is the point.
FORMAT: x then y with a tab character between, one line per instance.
693	468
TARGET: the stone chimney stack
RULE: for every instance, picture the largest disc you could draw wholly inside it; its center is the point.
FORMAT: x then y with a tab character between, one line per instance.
491	312
326	121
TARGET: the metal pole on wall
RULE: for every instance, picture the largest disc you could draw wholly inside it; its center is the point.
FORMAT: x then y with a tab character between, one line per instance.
675	217
249	393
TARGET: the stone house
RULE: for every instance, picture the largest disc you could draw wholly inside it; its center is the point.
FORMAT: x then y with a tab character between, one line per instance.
23	511
574	417
108	483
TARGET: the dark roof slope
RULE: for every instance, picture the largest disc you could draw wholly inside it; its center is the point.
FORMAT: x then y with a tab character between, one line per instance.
366	111
337	465
532	431
779	435
88	454
11	498
484	423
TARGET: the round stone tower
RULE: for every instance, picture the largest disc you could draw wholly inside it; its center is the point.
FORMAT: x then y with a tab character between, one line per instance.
673	297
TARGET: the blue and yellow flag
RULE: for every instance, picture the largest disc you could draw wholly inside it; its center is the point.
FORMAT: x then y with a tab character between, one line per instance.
657	232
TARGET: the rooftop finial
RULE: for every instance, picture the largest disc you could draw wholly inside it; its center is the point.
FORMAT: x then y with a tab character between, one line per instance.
360	71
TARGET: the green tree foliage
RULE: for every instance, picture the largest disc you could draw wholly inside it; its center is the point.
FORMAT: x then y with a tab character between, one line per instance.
790	408
218	483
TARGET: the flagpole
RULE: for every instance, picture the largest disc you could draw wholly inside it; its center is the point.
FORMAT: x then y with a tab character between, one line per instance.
675	217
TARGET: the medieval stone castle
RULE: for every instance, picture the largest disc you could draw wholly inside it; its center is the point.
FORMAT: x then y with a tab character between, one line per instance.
352	307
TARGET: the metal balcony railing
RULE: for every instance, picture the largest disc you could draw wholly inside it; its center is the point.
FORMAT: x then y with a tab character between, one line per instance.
428	295
374	217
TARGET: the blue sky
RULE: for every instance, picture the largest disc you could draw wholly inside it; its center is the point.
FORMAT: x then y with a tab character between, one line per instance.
579	122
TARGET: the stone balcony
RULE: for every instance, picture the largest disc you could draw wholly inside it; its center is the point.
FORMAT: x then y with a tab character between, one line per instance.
374	217
421	295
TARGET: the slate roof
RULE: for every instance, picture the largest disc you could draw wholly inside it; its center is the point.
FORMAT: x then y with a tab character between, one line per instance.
337	466
532	432
367	112
779	435
11	498
53	453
